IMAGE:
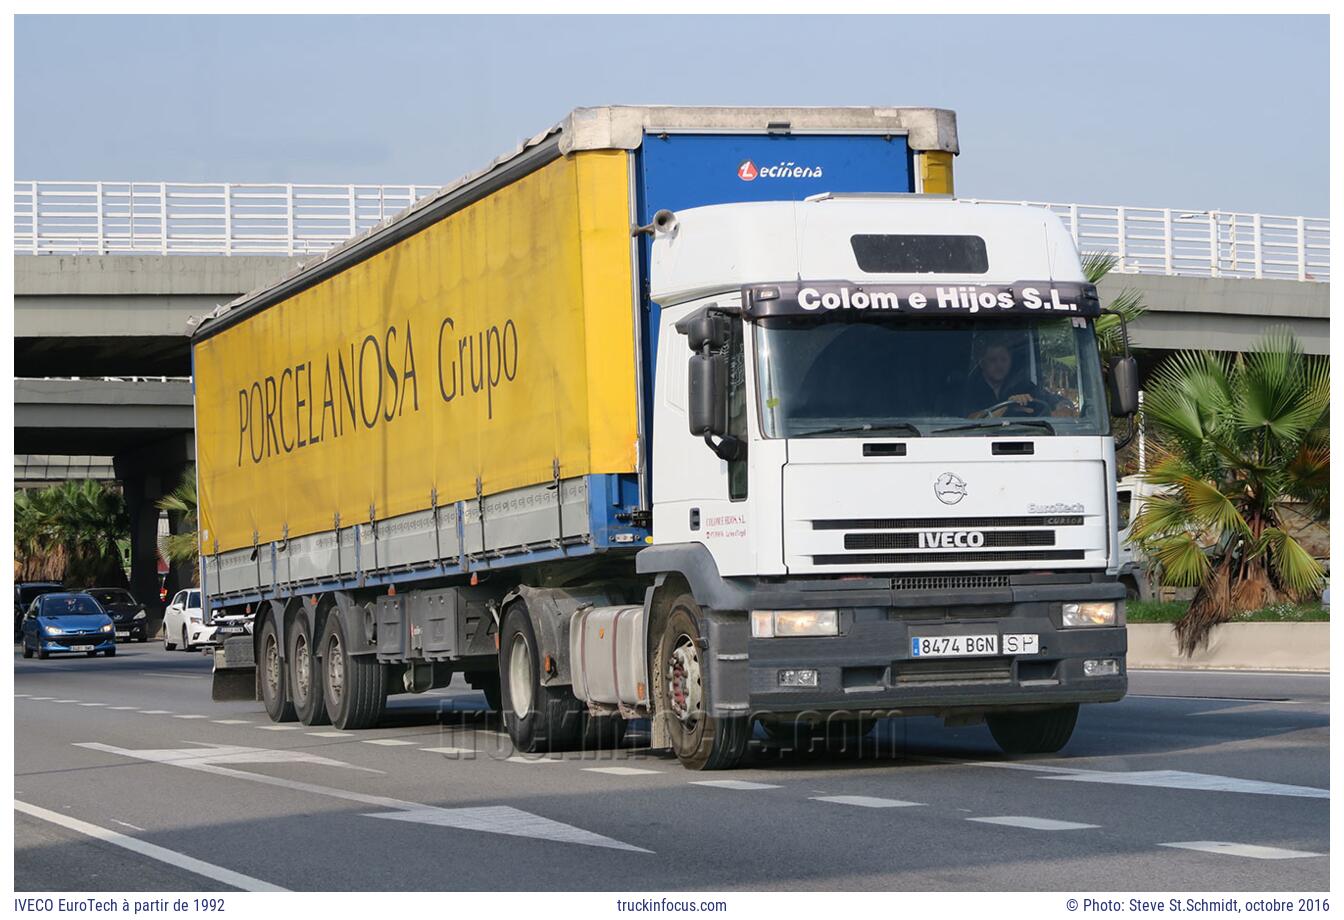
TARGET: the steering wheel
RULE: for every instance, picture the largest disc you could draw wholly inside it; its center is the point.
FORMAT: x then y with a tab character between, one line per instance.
1034	408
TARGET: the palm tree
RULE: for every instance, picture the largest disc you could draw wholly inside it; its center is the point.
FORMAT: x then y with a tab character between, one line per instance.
1128	303
1238	435
182	548
70	532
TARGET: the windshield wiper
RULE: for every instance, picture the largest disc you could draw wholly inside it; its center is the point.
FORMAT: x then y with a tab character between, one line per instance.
854	429
1000	423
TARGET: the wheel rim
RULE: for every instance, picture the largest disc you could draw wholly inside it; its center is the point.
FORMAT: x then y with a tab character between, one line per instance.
684	683
272	667
303	677
335	663
520	676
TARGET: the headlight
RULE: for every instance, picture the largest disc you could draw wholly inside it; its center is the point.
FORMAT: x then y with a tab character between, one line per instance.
139	616
54	630
782	623
194	615
1092	613
107	627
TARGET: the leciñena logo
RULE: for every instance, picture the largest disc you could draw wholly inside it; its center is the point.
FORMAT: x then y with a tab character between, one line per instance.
746	171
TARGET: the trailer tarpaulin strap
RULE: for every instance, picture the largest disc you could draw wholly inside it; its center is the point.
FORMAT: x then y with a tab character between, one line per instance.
832	299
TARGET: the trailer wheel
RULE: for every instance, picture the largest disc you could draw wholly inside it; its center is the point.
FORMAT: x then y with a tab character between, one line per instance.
700	741
354	686
305	676
1041	732
272	678
538	718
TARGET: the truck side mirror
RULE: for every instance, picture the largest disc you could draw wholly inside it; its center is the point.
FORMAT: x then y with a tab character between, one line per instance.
1123	381
707	395
706	330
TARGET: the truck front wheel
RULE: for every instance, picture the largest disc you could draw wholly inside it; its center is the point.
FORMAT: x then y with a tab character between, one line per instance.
1042	732
538	718
305	676
700	741
271	676
354	686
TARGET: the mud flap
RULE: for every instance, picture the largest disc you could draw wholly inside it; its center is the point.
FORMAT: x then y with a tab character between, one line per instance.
235	671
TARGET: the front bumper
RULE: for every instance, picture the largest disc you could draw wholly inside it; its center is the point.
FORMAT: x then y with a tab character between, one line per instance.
131	630
870	666
99	643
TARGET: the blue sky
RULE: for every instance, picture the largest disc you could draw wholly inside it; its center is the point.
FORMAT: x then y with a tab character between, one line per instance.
1176	111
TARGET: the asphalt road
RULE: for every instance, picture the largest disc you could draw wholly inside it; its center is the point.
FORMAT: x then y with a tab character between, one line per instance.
1196	781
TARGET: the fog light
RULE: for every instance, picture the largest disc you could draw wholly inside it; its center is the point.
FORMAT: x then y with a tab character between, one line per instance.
798	677
1093	613
780	623
1101	667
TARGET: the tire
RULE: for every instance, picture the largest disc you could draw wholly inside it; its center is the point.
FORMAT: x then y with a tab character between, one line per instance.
539	719
110	653
43	654
1043	732
90	654
700	741
186	646
272	680
354	687
167	646
27	652
305	676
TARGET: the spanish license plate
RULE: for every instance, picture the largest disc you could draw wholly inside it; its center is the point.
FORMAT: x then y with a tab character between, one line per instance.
81	648
972	646
123	634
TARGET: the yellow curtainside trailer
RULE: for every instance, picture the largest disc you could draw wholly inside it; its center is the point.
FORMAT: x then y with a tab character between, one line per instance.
491	351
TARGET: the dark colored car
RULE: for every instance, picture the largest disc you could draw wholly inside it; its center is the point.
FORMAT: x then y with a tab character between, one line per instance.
24	595
128	615
67	623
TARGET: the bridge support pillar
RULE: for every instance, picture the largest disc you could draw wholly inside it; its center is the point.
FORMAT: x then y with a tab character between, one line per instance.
147	474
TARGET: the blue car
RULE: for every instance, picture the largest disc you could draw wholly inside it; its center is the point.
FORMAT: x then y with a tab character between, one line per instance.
67	623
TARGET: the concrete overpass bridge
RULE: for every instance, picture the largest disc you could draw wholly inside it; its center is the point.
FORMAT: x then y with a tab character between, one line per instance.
108	274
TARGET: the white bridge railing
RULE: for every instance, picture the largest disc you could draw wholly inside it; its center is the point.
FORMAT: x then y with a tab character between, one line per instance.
181	218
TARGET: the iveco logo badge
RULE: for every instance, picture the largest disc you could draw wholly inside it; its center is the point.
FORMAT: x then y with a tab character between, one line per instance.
950	488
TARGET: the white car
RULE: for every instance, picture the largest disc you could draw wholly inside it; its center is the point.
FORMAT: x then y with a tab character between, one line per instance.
184	622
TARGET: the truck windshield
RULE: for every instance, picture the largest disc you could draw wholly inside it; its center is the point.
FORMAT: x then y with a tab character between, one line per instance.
874	377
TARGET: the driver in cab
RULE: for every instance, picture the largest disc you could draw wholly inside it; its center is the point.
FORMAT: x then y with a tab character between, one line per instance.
994	390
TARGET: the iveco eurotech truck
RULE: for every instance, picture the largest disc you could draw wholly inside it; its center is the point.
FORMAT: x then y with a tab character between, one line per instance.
712	417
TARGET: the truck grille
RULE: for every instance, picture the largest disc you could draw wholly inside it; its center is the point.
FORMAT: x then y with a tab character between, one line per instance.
993	538
949	582
955	523
1022	555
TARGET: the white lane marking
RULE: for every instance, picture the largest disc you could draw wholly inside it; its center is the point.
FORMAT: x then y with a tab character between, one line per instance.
155	712
732	784
332	734
388	742
231	721
1035	824
450	751
162	854
1249	850
620	771
864	801
1275	701
518	758
505	819
179	676
500	819
121	708
279	728
39	698
20	694
124	824
1204	782
93	704
1168	779
191	717
65	701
